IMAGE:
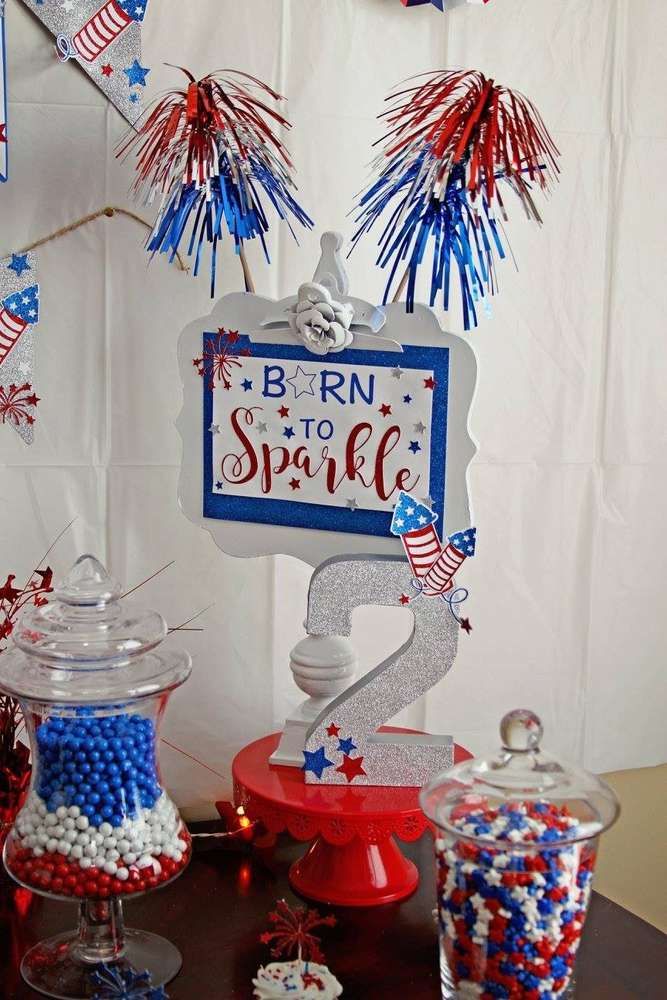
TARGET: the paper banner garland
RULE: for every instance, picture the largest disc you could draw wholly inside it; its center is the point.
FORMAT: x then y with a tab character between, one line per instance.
455	140
209	156
19	314
104	37
442	5
3	95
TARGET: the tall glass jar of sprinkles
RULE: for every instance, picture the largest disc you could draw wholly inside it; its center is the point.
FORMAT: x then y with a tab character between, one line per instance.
98	825
516	842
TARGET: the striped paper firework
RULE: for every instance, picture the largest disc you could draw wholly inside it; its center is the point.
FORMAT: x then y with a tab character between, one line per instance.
17	312
440	577
105	26
413	523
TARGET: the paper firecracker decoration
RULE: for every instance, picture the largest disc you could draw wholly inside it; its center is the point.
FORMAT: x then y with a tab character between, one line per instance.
456	140
19	314
433	565
209	155
104	37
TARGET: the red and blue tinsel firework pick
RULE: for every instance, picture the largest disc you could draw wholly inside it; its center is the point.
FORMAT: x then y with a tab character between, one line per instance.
453	142
209	154
115	983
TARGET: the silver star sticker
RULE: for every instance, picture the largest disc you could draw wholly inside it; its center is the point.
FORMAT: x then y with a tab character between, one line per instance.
428	501
214	428
397	372
420	428
261	427
352	504
67	6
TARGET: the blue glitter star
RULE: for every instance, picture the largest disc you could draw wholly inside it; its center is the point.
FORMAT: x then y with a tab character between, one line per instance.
246	384
415	447
346	746
134	98
136	74
288	432
19	263
316	762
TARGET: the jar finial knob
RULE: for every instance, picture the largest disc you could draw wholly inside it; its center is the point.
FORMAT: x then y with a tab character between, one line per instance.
88	584
521	730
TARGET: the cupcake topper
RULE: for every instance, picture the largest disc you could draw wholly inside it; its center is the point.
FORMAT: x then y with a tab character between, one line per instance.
292	932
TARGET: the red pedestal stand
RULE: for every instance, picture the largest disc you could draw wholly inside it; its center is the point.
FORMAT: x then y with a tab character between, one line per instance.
354	859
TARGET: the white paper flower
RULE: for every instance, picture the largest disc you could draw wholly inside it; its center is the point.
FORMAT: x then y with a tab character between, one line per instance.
319	322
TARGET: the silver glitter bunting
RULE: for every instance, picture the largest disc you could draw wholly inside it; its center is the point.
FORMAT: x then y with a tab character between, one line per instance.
343	745
105	41
18	276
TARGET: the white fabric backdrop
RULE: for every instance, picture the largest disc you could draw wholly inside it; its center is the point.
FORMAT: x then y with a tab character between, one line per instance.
570	484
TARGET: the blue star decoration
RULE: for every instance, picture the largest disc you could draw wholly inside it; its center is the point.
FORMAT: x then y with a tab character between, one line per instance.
410	515
134	98
407	399
316	761
346	746
415	447
114	983
136	74
218	486
288	432
465	541
19	263
246	384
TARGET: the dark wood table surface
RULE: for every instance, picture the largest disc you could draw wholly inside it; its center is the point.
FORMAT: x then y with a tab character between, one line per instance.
216	911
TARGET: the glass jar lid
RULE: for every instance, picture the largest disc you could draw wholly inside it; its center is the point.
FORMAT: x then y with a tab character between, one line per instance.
88	644
520	777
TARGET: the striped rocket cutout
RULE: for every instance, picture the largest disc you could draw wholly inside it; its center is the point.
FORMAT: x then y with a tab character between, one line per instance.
18	311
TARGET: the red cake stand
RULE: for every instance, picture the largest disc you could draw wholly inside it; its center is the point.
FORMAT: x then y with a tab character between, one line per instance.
354	859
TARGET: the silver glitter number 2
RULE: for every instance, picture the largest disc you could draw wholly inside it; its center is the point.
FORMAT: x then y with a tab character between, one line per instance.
343	745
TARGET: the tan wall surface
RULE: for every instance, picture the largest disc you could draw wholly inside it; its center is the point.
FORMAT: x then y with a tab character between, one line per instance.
632	868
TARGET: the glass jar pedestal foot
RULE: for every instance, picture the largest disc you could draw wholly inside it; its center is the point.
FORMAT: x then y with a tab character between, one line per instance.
61	966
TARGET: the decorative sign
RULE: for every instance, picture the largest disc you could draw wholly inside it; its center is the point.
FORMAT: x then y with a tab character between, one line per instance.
19	314
104	37
3	96
305	419
291	439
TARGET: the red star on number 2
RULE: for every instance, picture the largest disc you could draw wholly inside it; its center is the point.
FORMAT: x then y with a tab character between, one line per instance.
385	410
429	383
333	730
295	484
284	411
351	767
107	70
404	599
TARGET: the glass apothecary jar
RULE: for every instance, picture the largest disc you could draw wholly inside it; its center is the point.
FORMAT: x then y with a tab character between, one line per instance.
97	825
516	843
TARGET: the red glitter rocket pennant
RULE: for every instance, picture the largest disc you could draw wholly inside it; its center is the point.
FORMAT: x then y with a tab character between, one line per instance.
104	37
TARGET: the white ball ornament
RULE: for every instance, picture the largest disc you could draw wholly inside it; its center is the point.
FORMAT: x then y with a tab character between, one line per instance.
85	863
77	852
61	812
110	867
64	847
82	823
52	845
122	874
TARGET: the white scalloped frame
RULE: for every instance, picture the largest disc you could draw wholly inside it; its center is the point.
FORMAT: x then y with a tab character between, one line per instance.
249	313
